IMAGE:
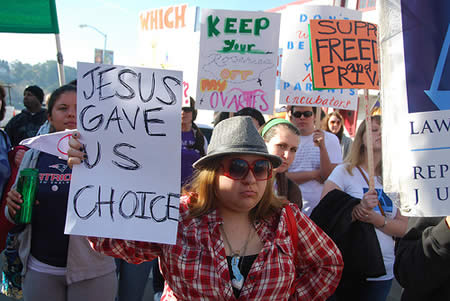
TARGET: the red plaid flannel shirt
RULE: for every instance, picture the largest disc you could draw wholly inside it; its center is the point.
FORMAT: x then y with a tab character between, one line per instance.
196	267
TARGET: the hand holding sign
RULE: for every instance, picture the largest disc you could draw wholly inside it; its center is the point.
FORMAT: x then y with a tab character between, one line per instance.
128	184
76	152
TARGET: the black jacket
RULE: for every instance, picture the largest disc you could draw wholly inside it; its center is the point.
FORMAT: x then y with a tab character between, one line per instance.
422	260
357	241
25	125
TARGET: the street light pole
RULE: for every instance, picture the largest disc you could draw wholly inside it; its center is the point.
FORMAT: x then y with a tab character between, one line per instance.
100	32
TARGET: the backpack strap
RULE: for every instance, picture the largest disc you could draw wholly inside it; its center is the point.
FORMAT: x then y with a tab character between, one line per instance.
293	233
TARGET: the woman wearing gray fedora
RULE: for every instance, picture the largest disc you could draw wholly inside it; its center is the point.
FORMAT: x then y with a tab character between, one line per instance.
236	240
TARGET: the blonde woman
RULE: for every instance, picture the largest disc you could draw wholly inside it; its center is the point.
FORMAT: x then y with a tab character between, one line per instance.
374	208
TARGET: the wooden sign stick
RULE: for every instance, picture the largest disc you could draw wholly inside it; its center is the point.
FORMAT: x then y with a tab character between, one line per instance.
368	141
317	121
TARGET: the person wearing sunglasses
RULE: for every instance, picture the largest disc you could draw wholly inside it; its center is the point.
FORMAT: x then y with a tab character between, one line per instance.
319	152
282	139
233	238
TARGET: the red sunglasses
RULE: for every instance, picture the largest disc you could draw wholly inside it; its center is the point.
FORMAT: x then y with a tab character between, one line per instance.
237	169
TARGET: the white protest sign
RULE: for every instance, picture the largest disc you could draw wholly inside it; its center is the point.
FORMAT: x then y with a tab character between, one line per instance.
416	106
238	60
296	82
56	144
167	39
129	186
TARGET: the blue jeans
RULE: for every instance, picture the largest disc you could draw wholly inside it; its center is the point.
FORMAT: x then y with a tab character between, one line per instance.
376	290
132	280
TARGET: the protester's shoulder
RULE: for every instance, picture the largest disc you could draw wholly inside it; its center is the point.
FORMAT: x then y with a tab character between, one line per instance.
184	204
341	169
185	211
27	161
16	119
347	139
332	138
43	112
294	209
421	223
301	219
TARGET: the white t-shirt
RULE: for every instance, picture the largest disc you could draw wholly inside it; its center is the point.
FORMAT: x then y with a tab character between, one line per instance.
307	158
356	186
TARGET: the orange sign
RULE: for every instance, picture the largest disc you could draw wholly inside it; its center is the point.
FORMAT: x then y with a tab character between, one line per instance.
344	54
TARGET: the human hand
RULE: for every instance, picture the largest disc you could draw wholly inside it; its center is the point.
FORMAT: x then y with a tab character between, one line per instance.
319	138
19	156
360	213
367	216
13	202
76	152
369	200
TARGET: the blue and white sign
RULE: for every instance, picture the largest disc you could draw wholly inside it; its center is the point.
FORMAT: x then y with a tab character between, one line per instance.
416	104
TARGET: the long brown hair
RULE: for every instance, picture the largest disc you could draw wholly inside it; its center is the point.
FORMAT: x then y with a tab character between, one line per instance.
203	197
325	126
358	152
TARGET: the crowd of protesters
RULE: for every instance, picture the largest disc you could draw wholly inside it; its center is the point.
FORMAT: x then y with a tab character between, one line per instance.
276	210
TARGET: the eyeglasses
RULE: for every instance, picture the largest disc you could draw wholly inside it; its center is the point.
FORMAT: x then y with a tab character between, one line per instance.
187	109
298	114
237	169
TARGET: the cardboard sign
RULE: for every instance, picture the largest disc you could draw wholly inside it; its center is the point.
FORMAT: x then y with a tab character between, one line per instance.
238	60
296	87
129	185
344	54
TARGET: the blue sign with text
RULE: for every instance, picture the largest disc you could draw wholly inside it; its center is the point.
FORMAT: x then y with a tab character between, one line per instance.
426	38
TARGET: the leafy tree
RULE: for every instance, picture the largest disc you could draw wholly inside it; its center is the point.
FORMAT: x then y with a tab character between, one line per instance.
20	75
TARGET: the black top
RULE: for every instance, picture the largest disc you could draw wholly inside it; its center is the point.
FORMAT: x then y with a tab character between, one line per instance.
49	244
245	266
422	258
25	125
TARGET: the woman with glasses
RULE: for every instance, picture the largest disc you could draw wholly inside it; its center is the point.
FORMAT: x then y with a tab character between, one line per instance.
234	238
282	139
334	123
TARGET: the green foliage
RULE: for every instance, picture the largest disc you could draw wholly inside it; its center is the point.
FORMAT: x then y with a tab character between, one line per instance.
19	75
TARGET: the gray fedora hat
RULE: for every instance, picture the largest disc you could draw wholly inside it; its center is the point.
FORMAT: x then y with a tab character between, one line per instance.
234	136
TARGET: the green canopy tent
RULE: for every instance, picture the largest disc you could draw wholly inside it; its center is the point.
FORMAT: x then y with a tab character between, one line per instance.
32	16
